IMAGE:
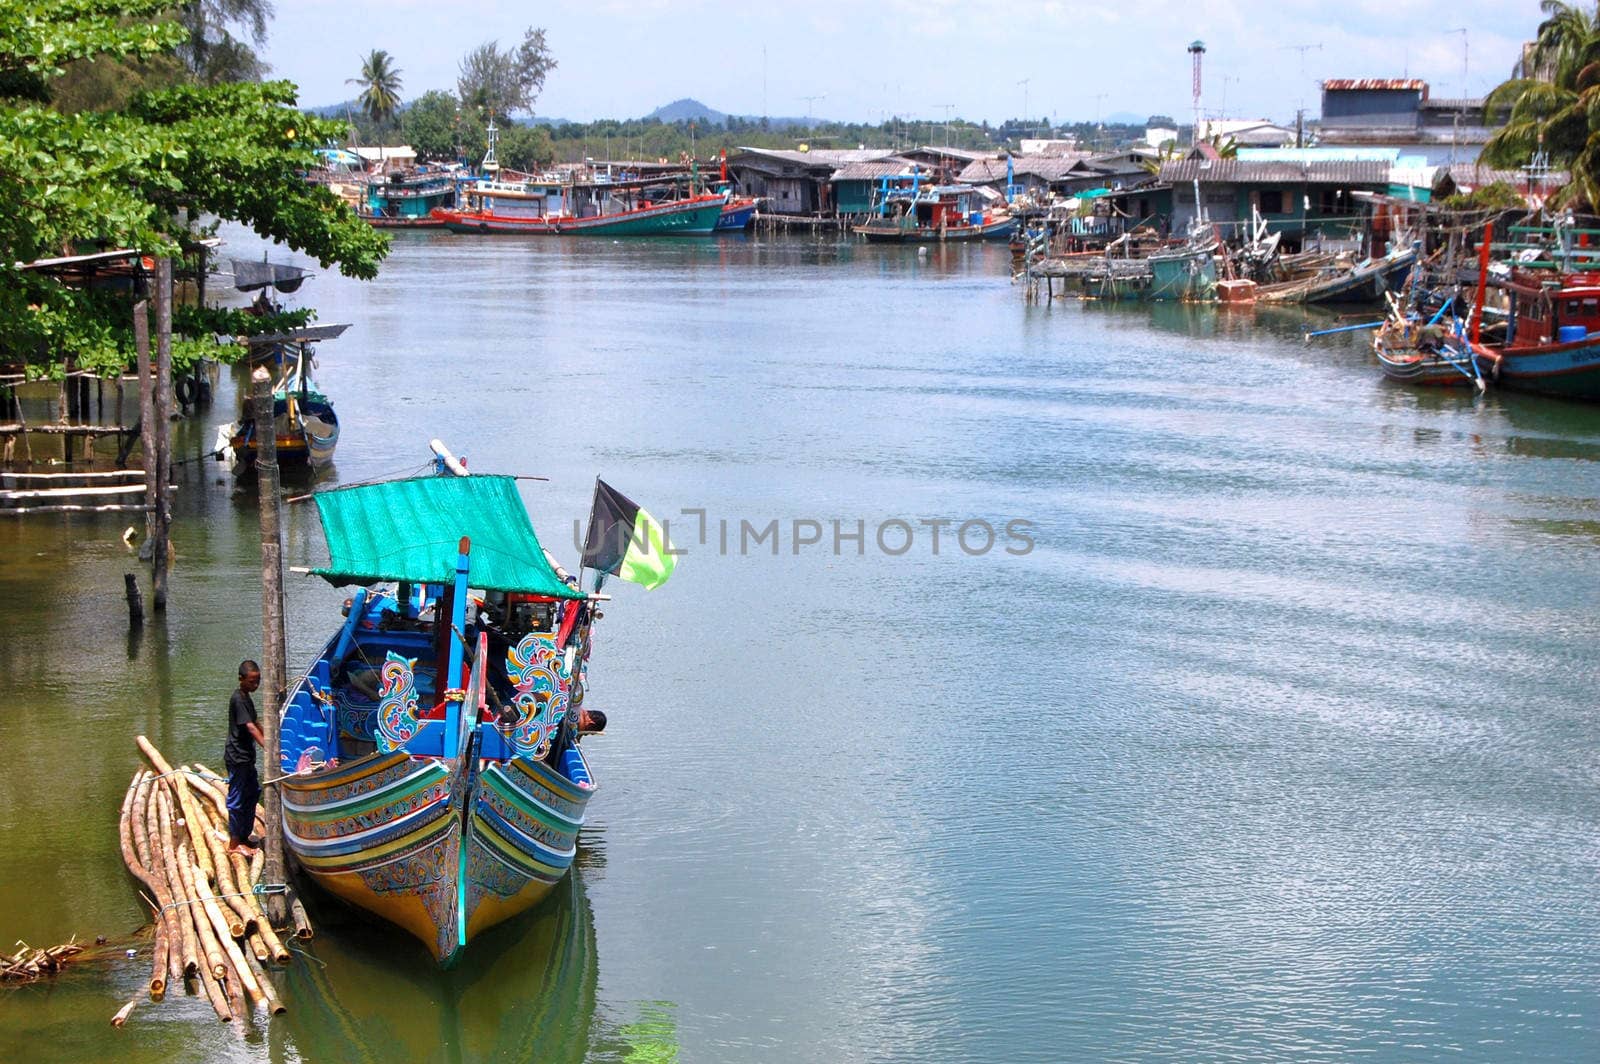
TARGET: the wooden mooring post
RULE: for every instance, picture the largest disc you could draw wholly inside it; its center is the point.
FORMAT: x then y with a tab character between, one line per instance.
130	583
273	667
161	524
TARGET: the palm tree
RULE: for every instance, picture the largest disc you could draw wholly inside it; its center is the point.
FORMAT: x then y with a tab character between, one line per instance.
380	86
1554	106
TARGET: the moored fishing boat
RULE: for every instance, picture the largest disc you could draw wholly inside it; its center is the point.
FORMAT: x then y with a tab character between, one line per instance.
555	206
305	427
909	212
407	201
558	204
736	215
1361	282
434	773
1426	354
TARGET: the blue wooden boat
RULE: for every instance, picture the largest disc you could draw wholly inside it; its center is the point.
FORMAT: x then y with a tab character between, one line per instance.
1552	340
736	215
435	774
407	201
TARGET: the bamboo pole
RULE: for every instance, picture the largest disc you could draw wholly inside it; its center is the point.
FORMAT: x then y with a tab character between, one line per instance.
216	963
218	997
193	820
230	948
258	946
146	832
236	1002
275	947
190	948
219	801
230	893
302	922
269	996
224	920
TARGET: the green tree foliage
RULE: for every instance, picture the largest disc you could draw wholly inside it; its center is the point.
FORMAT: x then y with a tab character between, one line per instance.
432	124
380	86
1554	105
212	52
137	178
1495	196
497	82
525	148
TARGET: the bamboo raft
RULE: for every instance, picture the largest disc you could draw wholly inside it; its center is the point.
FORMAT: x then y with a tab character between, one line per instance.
209	922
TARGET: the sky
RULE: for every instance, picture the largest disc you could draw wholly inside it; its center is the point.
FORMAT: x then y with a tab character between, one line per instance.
867	60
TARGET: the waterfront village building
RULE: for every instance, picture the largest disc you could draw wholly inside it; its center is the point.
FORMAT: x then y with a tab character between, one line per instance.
1399	113
829	182
1296	192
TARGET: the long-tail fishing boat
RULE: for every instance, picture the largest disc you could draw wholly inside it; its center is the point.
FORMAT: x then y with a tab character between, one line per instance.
1550	343
435	777
305	427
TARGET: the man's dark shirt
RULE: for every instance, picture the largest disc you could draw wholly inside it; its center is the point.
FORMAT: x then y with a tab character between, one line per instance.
241	748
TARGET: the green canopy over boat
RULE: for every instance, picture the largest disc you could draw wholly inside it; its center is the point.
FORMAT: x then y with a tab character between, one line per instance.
410	531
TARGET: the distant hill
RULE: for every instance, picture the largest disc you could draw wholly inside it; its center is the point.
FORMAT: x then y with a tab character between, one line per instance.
1124	118
687	110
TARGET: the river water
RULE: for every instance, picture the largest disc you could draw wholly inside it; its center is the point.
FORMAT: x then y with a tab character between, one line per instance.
1265	732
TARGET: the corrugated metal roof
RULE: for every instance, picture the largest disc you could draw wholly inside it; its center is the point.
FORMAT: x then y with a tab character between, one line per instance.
1043	167
1375	84
958	153
820	157
871	171
1236	171
1471	175
1319	155
1454	103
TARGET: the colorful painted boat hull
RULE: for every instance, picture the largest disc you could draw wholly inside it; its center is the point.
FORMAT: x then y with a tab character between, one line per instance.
1570	370
685	217
521	839
385	833
736	216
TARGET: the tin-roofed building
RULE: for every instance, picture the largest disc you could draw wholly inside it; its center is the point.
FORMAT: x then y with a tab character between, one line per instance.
1398	112
1292	197
794	182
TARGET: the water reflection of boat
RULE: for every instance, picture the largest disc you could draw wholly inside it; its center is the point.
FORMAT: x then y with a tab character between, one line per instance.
305	427
528	993
436	776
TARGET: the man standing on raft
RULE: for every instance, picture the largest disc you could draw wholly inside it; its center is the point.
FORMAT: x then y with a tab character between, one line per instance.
239	757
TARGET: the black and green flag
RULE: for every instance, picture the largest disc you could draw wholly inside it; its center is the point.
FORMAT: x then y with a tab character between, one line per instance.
626	541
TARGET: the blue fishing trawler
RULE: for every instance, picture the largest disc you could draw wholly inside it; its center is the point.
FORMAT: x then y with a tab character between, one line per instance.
434	771
407	200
